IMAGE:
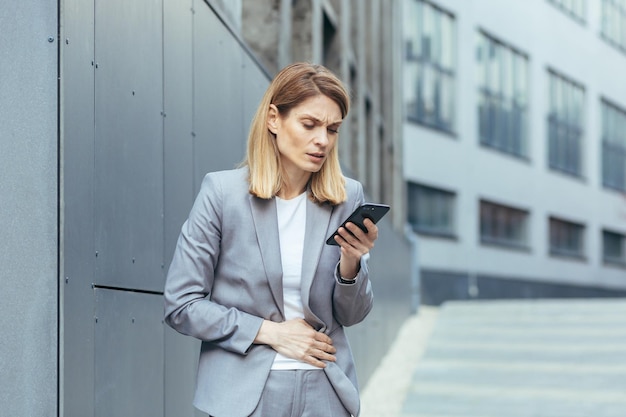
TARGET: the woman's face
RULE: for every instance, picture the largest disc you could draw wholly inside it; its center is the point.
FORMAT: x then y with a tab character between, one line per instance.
307	134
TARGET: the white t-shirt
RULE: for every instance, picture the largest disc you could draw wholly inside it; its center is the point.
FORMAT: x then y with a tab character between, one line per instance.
291	226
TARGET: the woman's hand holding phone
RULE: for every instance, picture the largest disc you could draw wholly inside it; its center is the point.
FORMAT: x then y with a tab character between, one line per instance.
356	237
354	243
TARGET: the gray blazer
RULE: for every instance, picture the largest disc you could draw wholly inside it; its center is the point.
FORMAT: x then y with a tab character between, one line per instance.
226	277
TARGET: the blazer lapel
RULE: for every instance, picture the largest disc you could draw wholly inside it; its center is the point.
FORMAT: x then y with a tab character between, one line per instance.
317	219
266	226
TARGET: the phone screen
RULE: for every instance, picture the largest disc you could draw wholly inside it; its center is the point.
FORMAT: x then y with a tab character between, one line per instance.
371	211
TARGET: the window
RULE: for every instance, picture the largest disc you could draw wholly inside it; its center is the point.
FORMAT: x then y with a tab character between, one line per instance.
613	147
431	210
574	8
565	125
614	23
430	50
503	226
614	248
502	108
566	238
330	41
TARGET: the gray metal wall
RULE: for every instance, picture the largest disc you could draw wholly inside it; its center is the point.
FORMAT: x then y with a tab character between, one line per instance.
28	208
155	93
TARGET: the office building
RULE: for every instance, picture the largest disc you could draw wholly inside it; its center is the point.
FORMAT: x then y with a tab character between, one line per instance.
514	146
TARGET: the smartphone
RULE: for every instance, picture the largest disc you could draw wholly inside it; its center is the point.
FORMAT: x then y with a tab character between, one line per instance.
371	211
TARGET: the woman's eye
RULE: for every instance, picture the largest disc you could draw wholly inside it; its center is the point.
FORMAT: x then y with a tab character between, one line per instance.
334	131
308	126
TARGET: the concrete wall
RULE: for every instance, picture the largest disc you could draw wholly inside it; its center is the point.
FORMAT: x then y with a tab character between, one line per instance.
551	39
28	208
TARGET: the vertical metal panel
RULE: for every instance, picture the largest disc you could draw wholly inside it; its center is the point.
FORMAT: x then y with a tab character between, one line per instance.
77	252
178	105
129	144
28	208
129	354
181	352
218	94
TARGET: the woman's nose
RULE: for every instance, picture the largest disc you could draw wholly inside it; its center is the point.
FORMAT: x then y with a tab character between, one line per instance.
322	137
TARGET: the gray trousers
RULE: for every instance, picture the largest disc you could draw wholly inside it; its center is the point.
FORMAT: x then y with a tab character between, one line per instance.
299	393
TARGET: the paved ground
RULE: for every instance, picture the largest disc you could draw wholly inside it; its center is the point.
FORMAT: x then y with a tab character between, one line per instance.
541	358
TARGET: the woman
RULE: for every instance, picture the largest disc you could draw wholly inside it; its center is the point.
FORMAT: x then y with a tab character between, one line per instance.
252	276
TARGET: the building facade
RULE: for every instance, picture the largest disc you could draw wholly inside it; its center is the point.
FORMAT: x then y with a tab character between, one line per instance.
514	146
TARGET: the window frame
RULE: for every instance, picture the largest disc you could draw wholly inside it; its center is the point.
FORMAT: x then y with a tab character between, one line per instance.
613	146
503	87
580	18
610	260
564	252
450	203
503	210
562	118
432	73
608	20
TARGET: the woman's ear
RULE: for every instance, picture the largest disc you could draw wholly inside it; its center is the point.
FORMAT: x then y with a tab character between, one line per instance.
273	119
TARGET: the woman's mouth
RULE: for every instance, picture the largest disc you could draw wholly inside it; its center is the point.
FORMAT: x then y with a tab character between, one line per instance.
317	156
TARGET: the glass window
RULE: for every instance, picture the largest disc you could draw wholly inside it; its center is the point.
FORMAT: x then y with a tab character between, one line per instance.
613	147
430	63
573	8
565	125
503	225
502	102
613	24
431	210
613	247
566	238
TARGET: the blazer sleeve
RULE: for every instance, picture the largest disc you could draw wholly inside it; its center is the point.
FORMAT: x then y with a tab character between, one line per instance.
353	302
187	293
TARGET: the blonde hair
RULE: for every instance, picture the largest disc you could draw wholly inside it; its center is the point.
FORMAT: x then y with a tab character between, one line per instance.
292	85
